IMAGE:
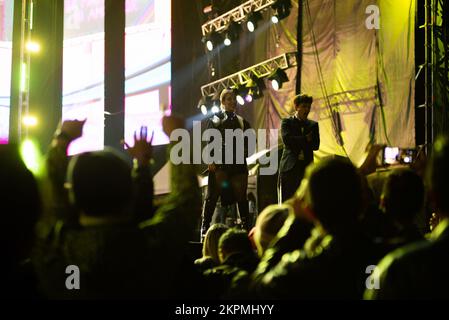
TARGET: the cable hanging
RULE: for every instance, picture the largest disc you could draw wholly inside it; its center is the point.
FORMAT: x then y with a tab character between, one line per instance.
336	125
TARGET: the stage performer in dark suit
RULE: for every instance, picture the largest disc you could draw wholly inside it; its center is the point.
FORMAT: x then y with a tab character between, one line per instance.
301	137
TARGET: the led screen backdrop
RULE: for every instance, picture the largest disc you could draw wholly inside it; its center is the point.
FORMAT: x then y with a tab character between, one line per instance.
6	15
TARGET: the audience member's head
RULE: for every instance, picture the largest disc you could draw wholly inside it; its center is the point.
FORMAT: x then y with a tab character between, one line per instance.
268	224
210	244
403	195
100	183
20	199
438	176
334	193
234	241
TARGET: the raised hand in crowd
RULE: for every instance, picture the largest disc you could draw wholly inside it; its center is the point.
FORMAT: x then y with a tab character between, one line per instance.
56	165
370	164
142	150
69	130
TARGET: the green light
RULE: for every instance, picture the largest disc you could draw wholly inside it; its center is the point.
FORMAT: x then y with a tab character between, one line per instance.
31	156
23	73
31	15
33	46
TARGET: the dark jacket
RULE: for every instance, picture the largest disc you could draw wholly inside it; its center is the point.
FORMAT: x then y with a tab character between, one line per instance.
294	133
218	280
222	122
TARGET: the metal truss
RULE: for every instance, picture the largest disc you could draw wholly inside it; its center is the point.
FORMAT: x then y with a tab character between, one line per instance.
263	69
348	102
237	14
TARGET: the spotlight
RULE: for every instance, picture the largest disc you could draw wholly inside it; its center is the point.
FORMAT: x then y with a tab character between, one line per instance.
251	21
282	10
240	99
232	33
215	109
277	78
209	45
241	92
211	40
205	104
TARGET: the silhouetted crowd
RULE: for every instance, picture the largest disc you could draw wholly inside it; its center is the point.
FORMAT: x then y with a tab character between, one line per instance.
89	229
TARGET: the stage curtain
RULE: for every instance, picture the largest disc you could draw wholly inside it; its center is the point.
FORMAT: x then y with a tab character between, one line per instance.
362	79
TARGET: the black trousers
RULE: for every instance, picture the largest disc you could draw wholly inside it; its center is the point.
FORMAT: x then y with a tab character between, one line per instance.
291	179
231	187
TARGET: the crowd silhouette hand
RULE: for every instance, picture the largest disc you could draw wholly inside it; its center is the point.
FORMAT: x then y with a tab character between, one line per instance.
142	150
73	129
370	164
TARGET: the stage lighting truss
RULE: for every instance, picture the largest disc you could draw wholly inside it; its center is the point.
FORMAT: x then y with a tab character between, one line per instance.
248	13
252	76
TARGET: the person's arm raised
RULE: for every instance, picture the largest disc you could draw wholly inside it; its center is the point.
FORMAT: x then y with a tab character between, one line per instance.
177	217
57	161
142	153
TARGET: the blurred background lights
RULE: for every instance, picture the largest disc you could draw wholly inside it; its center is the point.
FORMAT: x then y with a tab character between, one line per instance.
29	121
31	156
33	46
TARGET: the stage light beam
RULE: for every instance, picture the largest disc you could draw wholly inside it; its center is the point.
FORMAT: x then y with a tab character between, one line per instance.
29	121
33	47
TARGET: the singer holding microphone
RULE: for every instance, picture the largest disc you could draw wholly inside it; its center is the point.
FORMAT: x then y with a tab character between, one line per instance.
228	180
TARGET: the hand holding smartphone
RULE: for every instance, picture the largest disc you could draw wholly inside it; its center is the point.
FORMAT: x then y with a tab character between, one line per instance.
396	155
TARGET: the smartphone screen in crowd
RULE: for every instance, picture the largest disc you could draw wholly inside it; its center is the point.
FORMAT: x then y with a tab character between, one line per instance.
396	155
